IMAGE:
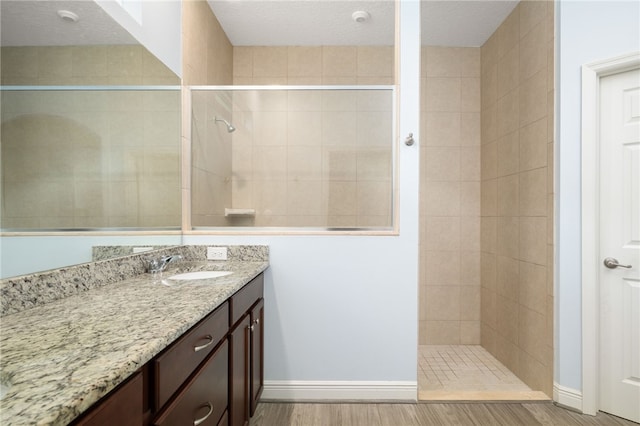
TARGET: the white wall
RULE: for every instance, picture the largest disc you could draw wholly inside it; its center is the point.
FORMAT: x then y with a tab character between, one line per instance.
588	31
344	308
160	30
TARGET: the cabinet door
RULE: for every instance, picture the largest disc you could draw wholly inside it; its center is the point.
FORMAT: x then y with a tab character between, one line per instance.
239	370
203	400
123	407
257	355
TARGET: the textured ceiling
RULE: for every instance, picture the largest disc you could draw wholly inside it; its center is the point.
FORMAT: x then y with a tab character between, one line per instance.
328	22
264	22
36	23
304	22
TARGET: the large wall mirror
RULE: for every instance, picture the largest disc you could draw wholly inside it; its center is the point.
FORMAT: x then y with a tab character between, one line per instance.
90	137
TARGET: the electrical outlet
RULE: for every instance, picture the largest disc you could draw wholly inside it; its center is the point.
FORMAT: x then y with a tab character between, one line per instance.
217	253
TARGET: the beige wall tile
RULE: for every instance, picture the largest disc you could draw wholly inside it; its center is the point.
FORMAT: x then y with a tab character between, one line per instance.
442	198
339	61
470	163
469	332
507	351
442	61
374	199
507	312
508	72
489	198
489	128
508	196
488	270
269	61
443	303
532	13
469	61
442	164
373	164
509	32
507	278
532	333
443	94
304	163
533	287
470	94
533	57
470	270
508	113
533	98
442	233
339	163
470	129
304	61
442	332
508	151
508	236
342	198
470	303
304	128
533	146
302	198
375	61
489	234
533	237
533	192
444	129
470	200
489	86
489	161
441	268
242	61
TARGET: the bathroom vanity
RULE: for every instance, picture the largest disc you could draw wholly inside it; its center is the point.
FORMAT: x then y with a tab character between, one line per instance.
143	351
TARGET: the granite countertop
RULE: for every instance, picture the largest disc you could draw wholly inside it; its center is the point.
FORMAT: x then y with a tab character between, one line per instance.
62	357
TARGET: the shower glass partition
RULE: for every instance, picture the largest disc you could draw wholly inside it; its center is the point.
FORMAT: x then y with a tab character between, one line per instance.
313	157
90	158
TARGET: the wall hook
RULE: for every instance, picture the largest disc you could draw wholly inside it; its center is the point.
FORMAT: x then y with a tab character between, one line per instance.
409	140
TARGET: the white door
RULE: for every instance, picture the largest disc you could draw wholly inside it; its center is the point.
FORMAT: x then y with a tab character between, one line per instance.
619	382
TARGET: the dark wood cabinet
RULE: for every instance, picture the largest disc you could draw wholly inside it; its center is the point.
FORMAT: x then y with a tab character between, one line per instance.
247	349
239	371
180	360
256	355
123	406
212	375
203	399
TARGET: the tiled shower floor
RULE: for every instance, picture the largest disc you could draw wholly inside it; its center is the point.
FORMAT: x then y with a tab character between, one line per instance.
467	372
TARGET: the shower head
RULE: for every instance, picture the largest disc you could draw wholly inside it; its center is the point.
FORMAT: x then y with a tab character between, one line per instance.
230	127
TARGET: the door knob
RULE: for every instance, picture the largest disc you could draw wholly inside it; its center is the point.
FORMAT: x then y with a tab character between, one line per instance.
612	263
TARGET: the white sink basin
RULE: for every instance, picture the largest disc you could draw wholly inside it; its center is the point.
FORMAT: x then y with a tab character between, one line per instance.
199	275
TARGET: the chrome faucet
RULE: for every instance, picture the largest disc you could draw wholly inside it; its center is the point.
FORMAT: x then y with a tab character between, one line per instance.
160	264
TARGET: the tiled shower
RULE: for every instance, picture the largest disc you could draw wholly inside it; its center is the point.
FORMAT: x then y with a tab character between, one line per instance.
487	195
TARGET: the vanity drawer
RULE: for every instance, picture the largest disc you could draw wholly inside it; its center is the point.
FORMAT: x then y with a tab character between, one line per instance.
245	298
180	360
203	400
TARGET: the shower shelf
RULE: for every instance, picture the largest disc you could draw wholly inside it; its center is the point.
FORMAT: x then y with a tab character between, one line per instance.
239	212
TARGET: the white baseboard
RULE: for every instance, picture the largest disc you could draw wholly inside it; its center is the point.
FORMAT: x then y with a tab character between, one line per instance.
568	397
295	390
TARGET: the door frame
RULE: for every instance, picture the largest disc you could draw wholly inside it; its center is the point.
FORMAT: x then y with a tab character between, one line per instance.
591	75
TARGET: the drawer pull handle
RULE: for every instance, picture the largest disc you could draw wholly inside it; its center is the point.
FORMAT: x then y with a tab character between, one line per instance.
206	416
201	347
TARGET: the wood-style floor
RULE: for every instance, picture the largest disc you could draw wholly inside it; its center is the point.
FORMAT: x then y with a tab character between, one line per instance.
477	414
